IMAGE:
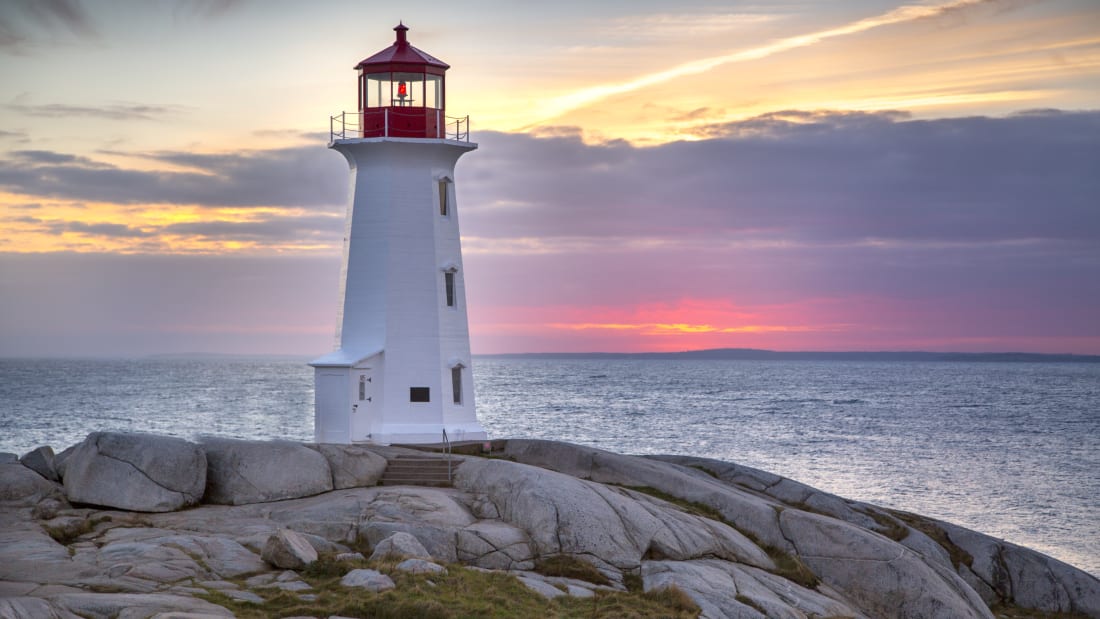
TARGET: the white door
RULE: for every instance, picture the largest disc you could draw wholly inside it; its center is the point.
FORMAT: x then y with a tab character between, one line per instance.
332	408
362	404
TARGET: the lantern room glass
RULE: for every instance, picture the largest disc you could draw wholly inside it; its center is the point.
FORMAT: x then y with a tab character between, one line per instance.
401	89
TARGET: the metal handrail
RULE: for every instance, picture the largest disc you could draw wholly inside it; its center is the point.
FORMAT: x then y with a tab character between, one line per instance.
452	127
447	450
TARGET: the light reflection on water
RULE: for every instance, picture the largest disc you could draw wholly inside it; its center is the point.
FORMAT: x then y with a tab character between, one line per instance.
1010	449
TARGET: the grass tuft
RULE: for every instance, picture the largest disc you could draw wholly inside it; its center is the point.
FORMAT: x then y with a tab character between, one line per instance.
672	597
569	566
929	528
633	582
66	535
747	601
887	525
705	470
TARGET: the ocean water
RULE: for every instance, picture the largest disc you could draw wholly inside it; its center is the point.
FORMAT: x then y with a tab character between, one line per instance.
1009	449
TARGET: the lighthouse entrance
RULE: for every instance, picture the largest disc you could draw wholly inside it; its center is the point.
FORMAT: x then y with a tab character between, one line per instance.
333	425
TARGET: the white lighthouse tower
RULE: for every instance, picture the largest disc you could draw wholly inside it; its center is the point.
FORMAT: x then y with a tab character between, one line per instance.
401	370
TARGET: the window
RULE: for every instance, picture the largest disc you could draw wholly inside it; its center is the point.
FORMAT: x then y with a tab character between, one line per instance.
362	388
444	198
420	394
449	284
456	383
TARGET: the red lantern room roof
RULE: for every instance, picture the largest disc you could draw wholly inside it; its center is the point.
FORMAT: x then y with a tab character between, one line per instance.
401	56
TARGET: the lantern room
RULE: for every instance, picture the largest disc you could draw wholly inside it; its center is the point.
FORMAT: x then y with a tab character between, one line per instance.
402	92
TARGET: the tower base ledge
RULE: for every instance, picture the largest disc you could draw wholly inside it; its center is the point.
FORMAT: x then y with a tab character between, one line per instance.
425	434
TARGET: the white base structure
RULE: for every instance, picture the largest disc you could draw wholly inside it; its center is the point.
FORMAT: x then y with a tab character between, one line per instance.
401	373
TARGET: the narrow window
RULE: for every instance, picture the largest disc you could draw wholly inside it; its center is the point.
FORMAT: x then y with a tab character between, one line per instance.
449	284
456	383
444	200
419	394
362	388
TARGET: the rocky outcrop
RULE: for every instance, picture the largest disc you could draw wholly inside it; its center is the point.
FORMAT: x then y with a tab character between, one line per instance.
22	487
738	541
136	472
872	557
240	472
352	466
40	461
288	550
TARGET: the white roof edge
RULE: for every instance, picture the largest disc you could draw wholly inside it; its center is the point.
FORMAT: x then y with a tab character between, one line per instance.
342	359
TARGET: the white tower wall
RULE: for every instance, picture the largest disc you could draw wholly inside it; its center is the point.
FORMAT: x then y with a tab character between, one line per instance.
396	330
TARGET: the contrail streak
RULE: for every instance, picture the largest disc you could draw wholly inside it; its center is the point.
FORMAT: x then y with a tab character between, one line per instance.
561	105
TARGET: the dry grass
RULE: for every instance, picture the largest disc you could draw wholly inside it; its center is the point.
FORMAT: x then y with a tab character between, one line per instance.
569	566
929	528
460	593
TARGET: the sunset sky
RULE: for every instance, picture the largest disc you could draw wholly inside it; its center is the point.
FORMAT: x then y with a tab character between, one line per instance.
790	175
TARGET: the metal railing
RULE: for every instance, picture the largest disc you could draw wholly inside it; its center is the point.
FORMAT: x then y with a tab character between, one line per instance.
385	122
447	450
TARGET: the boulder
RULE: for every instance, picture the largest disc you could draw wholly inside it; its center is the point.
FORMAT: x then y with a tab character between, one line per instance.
240	472
22	487
400	544
353	466
288	550
136	472
40	461
370	580
420	566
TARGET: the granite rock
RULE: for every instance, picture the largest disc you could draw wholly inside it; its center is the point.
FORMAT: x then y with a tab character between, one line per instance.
288	550
241	472
136	472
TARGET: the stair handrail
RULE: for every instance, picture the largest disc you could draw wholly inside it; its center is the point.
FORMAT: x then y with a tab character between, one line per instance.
447	450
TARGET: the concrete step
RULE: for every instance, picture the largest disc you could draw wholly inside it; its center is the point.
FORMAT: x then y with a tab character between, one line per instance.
418	471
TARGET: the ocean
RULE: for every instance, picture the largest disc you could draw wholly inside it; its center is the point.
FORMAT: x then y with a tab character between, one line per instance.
1008	449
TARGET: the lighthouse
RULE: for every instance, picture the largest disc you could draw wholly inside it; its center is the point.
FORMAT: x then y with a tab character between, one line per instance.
401	369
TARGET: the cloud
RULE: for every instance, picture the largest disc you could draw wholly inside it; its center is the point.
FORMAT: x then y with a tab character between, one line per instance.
807	178
48	157
294	228
302	176
797	229
106	230
112	111
206	9
23	21
558	106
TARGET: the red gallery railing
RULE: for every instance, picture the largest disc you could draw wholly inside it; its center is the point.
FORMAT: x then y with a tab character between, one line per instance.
396	122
